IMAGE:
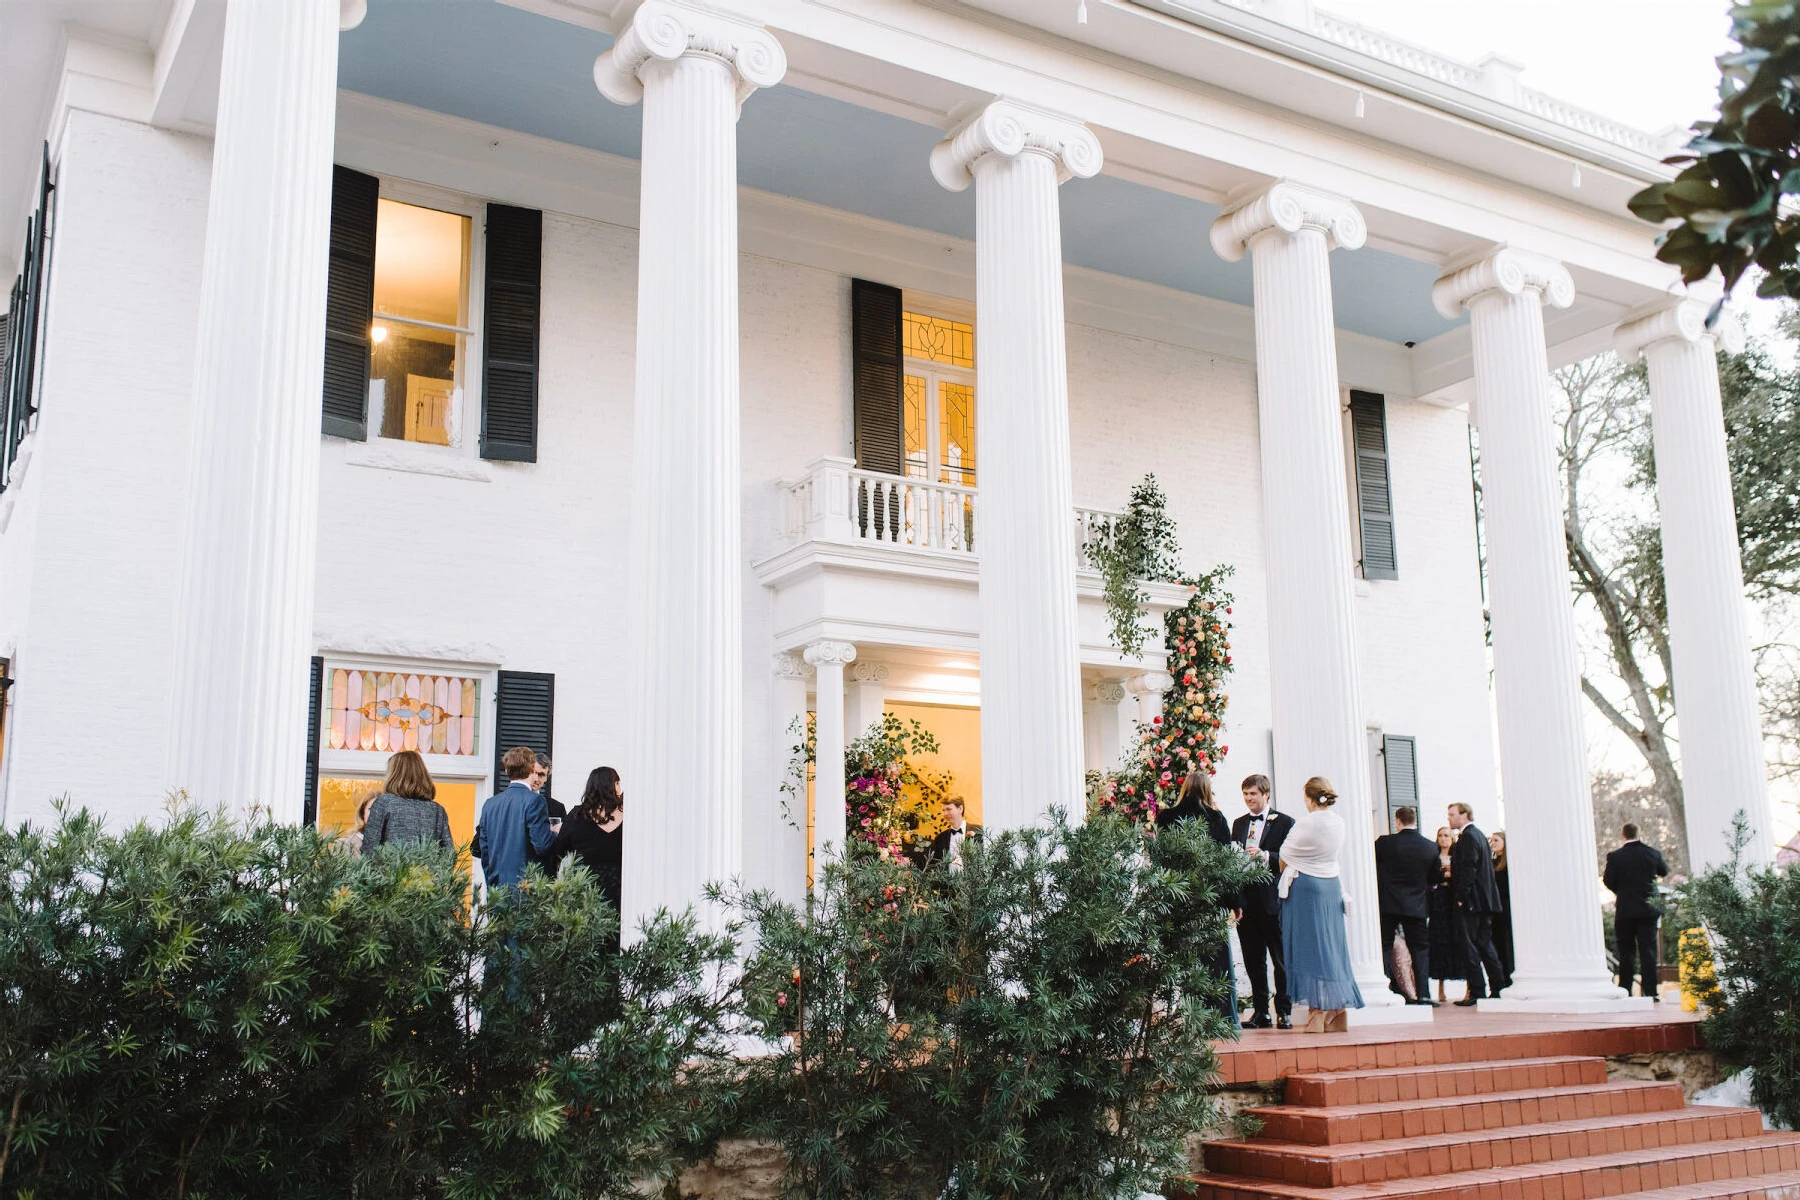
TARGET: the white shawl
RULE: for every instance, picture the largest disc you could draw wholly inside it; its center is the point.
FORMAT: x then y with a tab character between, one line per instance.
1312	847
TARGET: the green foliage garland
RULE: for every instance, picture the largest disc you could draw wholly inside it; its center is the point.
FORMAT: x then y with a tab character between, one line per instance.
1198	638
1139	546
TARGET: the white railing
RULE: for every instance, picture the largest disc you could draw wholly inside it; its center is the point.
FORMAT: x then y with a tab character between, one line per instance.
836	501
1591	123
1394	52
1093	530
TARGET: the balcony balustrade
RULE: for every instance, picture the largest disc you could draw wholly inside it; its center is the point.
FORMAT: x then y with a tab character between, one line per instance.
837	501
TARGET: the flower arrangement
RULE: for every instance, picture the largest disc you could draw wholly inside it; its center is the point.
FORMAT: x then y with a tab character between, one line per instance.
892	802
1198	637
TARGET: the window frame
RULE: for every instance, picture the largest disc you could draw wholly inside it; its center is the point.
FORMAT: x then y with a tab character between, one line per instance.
366	764
466	414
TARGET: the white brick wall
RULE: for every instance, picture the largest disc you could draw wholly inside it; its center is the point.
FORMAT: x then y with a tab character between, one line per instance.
528	569
93	624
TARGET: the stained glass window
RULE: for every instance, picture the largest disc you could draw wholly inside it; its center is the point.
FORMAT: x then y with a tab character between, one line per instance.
938	340
956	432
918	433
386	711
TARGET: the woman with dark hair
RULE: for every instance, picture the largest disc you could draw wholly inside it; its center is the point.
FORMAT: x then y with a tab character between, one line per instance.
1503	942
1312	913
407	809
1196	803
594	833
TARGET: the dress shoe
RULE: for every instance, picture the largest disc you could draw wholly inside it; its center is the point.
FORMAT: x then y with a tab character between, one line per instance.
1283	1023
1423	1002
1259	1022
1470	1002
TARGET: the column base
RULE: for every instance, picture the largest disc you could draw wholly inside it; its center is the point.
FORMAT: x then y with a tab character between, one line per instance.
1389	1014
1576	1004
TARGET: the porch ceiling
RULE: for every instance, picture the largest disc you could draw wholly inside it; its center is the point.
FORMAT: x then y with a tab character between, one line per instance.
502	66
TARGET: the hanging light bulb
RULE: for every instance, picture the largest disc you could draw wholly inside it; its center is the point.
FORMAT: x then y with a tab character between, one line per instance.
1081	13
1575	180
1359	106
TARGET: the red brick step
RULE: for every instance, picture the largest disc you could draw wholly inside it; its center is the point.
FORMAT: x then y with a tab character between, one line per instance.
1782	1185
1459	1114
1605	1175
1447	1153
1340	1088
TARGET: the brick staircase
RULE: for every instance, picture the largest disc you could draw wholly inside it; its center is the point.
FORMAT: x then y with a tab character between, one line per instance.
1494	1118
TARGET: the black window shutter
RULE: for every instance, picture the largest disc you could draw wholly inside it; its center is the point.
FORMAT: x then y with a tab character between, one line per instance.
350	303
509	374
1374	496
1400	766
309	808
524	715
877	383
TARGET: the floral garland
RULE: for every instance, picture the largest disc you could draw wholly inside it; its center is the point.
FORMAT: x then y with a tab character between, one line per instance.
1198	638
892	802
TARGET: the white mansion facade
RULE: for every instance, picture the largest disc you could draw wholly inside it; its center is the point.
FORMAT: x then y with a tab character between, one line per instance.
630	379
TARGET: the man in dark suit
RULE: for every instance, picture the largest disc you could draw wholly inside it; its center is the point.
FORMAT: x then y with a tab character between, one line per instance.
1406	869
1631	874
1260	832
1477	899
947	847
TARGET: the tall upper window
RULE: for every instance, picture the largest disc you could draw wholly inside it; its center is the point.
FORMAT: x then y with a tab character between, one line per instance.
421	323
939	398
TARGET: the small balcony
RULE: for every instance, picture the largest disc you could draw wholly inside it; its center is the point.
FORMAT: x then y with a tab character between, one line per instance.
885	559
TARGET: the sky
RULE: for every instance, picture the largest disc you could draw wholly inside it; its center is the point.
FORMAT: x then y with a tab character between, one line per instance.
1648	63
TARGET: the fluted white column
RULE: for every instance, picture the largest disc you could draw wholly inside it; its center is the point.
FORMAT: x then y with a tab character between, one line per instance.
1290	231
1031	743
244	622
1722	766
1561	963
691	69
830	821
865	699
788	721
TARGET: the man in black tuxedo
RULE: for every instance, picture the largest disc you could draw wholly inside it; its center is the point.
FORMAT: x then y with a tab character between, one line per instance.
1631	874
946	848
1260	832
1406	869
1477	899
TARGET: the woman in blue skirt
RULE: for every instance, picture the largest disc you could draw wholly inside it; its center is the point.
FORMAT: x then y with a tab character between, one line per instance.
1312	913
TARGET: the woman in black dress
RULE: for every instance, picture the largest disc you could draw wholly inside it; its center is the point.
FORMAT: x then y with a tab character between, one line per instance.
594	834
1503	943
1446	947
1196	803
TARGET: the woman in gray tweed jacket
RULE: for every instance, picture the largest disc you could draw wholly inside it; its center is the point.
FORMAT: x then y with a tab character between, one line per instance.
407	809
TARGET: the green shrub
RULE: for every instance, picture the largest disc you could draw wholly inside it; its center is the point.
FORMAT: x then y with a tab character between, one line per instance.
209	1008
1033	1024
1753	923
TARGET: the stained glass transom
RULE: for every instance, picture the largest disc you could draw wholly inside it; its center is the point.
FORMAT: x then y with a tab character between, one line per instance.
956	432
386	711
938	340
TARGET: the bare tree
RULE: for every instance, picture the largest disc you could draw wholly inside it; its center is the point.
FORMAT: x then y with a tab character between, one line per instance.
1616	563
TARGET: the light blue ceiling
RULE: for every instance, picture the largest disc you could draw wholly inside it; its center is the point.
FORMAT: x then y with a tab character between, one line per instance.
501	66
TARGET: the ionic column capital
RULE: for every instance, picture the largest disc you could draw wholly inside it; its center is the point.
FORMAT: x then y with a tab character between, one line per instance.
1149	683
1289	207
836	654
1683	321
1008	128
869	672
663	30
1505	270
789	666
1109	691
351	14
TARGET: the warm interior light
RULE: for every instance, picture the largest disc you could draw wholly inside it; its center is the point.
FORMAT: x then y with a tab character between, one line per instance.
378	334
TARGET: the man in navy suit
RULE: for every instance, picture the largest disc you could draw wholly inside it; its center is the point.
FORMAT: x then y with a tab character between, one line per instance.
1476	899
1260	832
514	825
